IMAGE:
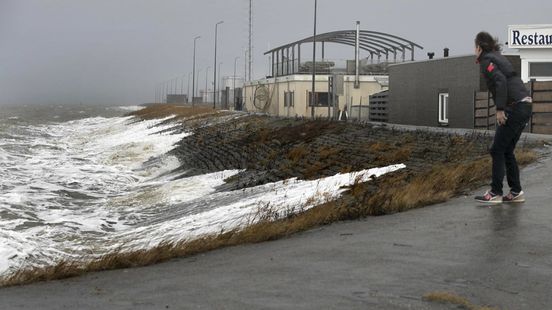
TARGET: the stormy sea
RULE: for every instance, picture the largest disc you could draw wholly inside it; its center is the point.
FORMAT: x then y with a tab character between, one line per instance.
78	182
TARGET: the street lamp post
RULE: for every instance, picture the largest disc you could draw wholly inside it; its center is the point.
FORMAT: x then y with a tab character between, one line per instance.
215	66
198	73
206	86
166	90
313	94
193	71
218	86
188	92
234	81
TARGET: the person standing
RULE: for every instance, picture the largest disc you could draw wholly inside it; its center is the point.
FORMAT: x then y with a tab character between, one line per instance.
513	111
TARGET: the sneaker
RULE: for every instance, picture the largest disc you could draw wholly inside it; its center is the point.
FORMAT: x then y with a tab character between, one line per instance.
489	197
514	197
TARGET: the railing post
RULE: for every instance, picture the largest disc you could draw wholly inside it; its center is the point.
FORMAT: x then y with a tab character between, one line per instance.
489	110
474	109
531	92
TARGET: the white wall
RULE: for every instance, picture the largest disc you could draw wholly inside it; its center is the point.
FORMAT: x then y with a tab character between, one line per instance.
302	84
533	55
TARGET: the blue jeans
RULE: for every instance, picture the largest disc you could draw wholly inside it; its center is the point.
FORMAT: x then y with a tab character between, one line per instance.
504	143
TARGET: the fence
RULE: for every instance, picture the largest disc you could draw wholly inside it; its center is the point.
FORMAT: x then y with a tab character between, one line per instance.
541	119
484	111
379	106
360	112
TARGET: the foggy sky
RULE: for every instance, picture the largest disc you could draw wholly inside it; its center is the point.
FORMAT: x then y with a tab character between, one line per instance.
117	51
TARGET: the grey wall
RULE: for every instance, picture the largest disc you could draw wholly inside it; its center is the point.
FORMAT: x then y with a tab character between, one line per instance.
414	89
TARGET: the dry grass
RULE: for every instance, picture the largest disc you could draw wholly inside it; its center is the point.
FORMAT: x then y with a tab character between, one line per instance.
445	297
379	147
297	153
329	152
164	110
403	191
392	193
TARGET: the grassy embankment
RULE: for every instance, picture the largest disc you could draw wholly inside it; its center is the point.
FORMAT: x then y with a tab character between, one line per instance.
392	193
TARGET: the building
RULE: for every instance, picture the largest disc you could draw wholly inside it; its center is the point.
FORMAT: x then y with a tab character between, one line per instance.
534	45
450	91
340	86
176	98
291	95
437	92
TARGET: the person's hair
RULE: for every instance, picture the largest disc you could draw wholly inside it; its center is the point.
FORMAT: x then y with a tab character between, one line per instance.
487	42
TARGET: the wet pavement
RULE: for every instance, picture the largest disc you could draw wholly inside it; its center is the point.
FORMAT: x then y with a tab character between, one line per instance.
498	255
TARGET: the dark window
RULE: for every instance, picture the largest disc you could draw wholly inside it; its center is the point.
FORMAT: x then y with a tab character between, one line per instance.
538	69
289	99
443	108
321	99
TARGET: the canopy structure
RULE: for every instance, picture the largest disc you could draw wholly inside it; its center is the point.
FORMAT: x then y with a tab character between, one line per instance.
286	59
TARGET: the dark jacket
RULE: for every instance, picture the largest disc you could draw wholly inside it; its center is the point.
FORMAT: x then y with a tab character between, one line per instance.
503	82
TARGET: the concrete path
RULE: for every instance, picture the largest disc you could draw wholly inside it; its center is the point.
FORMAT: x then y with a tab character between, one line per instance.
499	256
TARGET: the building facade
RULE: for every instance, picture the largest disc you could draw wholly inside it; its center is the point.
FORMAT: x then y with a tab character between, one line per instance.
534	45
437	92
290	95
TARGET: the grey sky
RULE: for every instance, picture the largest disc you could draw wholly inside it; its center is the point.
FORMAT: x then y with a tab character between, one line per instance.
116	51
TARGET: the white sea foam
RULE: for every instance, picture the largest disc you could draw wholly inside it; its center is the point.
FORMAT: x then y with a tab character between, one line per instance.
224	211
57	182
130	108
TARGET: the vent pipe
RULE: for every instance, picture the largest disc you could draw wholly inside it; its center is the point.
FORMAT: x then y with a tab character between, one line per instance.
446	52
430	55
357	55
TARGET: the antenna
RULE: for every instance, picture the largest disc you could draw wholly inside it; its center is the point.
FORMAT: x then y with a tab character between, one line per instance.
250	36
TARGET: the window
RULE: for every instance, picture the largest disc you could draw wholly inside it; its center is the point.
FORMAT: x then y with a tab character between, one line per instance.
321	99
540	69
443	108
289	98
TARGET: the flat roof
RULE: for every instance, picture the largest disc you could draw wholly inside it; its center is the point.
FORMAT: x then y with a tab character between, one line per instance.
430	60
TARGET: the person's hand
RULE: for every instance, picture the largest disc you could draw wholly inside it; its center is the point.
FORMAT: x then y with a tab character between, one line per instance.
501	118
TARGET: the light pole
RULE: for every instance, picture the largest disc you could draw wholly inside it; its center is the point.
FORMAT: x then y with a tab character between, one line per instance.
166	90
193	70
313	94
206	86
234	81
188	92
245	65
215	66
197	90
219	90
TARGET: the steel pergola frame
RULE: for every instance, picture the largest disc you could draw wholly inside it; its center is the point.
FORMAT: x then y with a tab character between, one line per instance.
376	43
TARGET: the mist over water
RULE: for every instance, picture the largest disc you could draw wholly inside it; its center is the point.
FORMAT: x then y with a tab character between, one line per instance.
81	182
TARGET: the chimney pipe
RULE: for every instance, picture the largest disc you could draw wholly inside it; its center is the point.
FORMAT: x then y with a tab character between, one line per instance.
430	55
446	52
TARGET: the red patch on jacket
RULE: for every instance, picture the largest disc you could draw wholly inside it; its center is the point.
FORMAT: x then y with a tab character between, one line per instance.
490	67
